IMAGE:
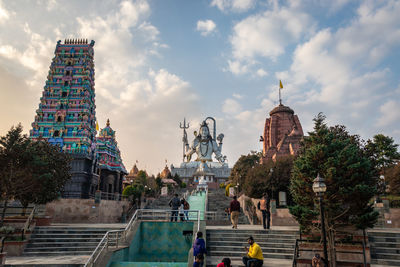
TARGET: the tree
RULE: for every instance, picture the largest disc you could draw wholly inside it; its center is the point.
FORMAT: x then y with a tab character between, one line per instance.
30	171
242	166
135	191
392	177
48	171
159	183
271	177
176	178
142	177
13	160
350	179
383	153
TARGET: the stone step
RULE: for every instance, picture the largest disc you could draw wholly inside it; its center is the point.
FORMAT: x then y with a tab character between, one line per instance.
237	261
379	250
260	231
56	245
56	253
253	234
66	239
242	253
385	244
69	231
234	249
385	256
277	242
45	265
214	243
61	249
384	234
386	262
55	236
374	239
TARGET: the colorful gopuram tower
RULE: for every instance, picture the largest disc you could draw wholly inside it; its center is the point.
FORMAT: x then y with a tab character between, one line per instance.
111	168
67	113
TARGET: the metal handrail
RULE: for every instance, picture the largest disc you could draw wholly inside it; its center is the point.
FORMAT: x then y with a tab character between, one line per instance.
206	201
108	239
28	223
296	248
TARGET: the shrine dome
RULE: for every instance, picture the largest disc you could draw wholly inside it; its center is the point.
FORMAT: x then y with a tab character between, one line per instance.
107	131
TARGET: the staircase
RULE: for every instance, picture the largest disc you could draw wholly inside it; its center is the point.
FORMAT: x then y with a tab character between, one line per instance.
217	203
277	245
385	247
64	240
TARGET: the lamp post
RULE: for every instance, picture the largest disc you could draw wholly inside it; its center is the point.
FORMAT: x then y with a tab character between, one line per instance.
319	188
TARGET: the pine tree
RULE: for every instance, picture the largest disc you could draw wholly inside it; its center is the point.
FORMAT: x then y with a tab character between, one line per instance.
350	179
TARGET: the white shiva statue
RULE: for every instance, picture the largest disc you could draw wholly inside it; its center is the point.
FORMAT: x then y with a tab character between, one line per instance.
204	145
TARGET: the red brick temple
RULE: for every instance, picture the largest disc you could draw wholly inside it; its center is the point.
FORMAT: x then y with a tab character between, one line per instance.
282	134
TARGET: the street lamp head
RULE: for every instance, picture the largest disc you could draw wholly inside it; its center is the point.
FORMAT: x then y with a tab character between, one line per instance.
319	186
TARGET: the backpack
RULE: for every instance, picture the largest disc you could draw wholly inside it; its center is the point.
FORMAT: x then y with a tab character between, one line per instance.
186	205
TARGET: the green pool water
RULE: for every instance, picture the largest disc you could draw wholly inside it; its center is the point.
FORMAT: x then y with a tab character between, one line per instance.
160	244
197	202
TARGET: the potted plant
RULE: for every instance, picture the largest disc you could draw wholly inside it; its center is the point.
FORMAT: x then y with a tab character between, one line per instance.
5	231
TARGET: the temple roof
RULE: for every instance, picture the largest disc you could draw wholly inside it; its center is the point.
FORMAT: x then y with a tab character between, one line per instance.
281	108
108	152
165	172
134	171
107	131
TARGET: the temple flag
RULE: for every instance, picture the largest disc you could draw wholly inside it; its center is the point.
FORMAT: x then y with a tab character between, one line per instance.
280	84
97	125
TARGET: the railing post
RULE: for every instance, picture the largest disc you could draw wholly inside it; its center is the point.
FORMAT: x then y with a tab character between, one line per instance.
108	236
117	239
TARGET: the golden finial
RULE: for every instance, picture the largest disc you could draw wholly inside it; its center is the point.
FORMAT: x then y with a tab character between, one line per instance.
108	123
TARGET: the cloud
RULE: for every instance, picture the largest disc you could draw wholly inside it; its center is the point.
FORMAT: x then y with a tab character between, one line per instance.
389	113
237	67
233	5
237	96
266	35
342	61
231	106
261	73
206	27
4	14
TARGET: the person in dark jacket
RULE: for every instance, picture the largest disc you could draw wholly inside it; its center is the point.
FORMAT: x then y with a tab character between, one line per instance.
174	204
199	246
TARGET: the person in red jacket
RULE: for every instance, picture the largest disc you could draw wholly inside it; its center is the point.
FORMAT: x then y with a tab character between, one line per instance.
226	262
234	209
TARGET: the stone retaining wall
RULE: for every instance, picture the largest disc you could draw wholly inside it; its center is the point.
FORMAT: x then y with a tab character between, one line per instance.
279	217
86	211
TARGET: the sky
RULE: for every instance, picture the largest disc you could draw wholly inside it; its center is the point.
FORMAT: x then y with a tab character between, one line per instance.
160	61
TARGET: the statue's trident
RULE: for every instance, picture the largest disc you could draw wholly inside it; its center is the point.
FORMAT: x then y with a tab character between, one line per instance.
184	138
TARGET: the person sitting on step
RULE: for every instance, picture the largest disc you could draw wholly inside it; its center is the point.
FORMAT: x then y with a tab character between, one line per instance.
254	257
